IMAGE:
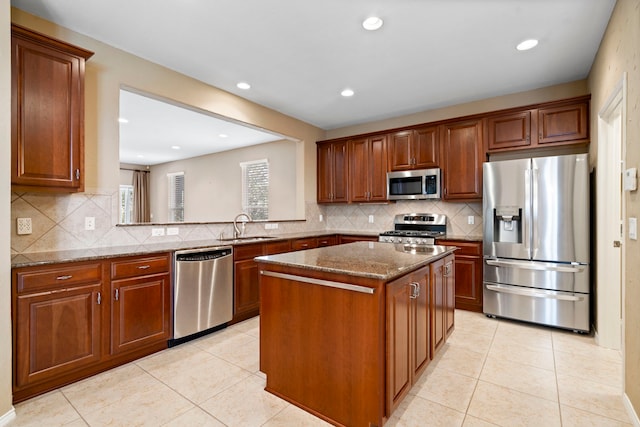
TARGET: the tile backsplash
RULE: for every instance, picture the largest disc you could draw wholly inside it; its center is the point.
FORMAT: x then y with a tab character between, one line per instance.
58	221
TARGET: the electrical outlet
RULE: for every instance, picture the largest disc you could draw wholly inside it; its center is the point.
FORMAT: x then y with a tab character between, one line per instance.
370	219
471	220
24	226
155	232
633	228
173	231
321	218
270	226
89	223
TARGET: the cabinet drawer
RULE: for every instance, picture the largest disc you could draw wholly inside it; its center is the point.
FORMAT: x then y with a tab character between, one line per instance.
57	276
247	251
140	266
465	248
273	248
327	240
301	244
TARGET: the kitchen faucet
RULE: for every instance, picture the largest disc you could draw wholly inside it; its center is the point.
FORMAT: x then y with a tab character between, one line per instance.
236	231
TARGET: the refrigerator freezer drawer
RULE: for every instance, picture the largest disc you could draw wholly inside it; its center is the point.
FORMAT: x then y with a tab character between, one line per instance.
533	274
560	309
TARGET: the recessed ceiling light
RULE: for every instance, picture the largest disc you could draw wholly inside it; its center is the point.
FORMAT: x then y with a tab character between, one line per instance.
372	23
243	85
347	93
175	147
527	44
223	135
140	156
123	120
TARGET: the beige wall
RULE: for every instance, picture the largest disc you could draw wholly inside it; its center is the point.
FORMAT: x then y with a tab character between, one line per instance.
213	183
620	53
5	264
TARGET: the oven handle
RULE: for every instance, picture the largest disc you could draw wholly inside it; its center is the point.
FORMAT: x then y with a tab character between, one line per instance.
532	293
542	267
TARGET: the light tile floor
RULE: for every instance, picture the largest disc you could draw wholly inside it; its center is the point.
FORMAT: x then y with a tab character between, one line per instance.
490	373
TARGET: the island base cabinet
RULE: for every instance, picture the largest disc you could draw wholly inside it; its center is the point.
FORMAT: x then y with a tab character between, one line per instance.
315	338
442	301
408	334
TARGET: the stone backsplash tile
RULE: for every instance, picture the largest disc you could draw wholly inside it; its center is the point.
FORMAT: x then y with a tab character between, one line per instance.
58	221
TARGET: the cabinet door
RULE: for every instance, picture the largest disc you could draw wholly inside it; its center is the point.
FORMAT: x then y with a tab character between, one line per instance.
462	165
56	332
468	274
377	154
325	173
563	123
400	153
509	131
247	290
399	337
359	170
450	294
437	306
340	172
47	99
141	312
422	323
425	148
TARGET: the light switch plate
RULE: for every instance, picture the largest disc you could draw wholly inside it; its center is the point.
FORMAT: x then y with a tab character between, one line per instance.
471	220
370	219
173	231
24	226
633	228
157	232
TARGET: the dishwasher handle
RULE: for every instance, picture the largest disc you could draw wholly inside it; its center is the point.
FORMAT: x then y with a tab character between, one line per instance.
205	255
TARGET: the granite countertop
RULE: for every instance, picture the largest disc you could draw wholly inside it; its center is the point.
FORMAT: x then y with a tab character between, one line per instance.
463	238
384	261
31	259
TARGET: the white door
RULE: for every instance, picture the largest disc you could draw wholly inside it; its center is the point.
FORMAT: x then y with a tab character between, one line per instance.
610	224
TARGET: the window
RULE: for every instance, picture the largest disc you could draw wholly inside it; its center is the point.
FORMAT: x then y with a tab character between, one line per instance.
126	204
176	197
255	189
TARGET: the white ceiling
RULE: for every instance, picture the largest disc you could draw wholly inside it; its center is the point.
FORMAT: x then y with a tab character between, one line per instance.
298	55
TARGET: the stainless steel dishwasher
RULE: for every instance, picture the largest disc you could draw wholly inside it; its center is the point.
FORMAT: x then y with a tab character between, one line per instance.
203	291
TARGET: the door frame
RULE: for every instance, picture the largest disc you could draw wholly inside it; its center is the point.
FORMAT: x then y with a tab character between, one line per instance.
611	130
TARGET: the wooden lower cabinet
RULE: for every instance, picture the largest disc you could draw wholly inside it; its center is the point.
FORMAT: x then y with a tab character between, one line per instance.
350	238
64	320
246	295
141	302
408	334
442	301
468	266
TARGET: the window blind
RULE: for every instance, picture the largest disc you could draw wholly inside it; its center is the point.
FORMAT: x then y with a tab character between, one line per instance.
176	197
255	188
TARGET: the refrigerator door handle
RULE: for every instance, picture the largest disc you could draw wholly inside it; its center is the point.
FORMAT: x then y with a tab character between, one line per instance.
533	293
526	223
570	268
535	188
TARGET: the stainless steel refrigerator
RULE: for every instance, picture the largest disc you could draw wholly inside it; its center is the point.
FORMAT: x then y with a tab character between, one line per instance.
536	240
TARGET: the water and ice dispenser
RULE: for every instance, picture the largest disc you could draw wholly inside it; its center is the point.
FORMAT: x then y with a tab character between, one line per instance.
507	224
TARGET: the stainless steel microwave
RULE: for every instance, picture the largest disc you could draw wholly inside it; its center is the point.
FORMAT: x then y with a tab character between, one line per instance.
414	184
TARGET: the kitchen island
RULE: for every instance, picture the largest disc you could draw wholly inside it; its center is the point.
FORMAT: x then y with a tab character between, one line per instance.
346	330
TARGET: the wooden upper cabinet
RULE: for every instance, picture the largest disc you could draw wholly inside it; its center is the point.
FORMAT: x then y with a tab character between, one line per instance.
368	169
414	149
332	172
462	154
566	123
509	130
47	113
557	123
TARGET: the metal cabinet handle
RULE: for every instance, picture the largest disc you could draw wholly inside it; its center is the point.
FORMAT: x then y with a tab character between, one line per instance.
414	290
143	267
66	277
117	294
77	173
99	298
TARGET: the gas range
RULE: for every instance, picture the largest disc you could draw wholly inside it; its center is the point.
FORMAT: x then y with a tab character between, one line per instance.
416	229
